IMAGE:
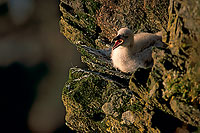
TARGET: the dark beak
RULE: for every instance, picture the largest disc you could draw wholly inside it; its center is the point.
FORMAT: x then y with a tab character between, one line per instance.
116	38
117	41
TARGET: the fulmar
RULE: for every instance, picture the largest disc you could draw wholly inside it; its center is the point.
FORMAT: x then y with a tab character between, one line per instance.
133	51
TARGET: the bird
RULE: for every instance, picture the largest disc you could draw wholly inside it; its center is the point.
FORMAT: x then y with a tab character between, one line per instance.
131	52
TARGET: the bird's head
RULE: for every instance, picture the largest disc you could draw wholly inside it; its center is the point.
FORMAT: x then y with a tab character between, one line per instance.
123	38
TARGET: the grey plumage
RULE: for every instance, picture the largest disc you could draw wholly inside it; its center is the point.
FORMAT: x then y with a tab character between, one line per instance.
133	51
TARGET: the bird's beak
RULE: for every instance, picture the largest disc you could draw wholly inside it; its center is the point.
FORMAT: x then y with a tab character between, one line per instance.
118	41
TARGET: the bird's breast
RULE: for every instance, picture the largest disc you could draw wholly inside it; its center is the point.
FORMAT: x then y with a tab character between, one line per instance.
122	60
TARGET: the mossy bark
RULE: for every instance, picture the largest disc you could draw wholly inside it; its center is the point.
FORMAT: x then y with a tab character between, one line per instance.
164	98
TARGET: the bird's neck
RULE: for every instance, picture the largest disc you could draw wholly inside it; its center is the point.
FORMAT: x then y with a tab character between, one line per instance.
132	47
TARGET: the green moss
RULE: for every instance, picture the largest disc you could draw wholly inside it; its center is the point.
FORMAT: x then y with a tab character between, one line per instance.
92	6
171	86
83	22
88	90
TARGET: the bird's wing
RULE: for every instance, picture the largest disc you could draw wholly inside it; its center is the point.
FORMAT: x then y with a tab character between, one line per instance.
145	40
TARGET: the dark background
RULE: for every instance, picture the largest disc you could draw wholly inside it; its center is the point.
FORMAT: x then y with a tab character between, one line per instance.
34	62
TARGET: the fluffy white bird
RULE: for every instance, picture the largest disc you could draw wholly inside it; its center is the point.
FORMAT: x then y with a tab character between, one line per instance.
133	51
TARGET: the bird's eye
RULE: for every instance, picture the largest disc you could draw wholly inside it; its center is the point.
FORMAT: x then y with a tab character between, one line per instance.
125	36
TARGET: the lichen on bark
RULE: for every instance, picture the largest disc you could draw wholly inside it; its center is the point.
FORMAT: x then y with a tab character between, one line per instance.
164	98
